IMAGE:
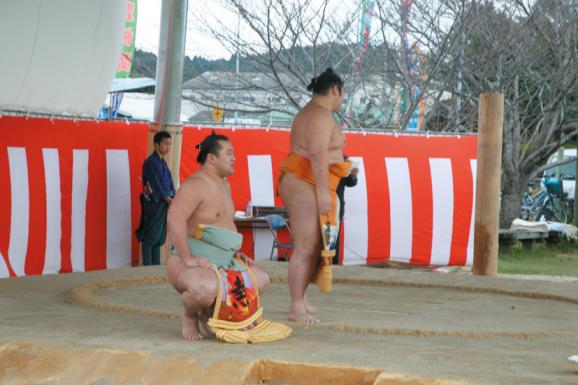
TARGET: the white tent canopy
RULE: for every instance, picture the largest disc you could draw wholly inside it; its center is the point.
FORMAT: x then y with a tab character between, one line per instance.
59	56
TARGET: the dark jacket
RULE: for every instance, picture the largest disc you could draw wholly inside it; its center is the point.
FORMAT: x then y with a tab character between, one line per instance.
157	177
349	181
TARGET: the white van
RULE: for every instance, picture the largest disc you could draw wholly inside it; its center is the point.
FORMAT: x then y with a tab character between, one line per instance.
566	172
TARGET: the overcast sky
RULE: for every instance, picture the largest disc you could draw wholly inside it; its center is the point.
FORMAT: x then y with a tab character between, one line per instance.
149	16
148	27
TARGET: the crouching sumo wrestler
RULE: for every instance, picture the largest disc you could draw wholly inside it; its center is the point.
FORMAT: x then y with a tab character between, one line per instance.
219	286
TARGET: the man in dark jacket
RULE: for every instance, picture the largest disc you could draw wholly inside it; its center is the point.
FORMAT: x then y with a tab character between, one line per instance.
348	181
157	195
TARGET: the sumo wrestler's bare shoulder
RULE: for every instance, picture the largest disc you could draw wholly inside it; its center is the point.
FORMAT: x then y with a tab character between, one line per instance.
193	188
321	118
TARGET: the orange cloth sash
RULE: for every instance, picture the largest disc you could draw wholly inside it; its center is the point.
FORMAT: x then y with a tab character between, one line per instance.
300	166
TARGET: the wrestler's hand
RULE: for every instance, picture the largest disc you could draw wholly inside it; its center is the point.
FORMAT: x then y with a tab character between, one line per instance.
193	261
324	203
243	257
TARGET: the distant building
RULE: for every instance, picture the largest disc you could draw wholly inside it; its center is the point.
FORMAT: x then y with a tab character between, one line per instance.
257	97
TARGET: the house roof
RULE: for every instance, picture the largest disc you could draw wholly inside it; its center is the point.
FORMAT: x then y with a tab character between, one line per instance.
221	80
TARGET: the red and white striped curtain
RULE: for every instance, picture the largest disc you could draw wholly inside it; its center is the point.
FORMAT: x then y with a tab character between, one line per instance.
69	194
413	201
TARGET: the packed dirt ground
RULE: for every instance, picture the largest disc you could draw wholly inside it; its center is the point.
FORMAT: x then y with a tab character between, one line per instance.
406	325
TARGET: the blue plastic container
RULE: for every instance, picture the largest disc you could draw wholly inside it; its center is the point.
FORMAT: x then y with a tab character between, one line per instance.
554	186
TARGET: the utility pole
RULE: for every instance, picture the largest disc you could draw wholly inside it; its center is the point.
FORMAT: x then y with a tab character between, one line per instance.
169	84
237	68
169	80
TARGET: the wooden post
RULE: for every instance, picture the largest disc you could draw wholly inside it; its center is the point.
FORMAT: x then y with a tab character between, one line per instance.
487	219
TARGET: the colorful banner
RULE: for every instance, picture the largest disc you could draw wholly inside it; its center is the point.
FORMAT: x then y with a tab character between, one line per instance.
127	55
412	95
365	29
366	16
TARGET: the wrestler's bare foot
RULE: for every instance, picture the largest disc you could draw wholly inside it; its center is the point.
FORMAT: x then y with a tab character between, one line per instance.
301	315
191	328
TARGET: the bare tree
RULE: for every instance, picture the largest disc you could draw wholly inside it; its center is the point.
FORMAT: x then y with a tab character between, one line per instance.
285	43
420	50
526	50
292	41
455	50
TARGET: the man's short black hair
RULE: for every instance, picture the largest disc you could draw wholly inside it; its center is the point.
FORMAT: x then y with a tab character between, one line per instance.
159	136
210	145
323	83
